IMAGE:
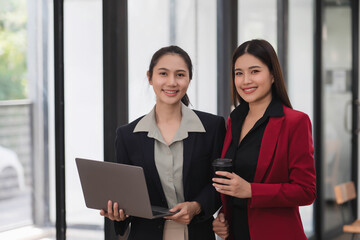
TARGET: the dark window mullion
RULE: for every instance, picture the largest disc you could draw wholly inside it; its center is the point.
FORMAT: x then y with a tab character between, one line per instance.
226	44
319	203
59	119
355	92
115	82
282	35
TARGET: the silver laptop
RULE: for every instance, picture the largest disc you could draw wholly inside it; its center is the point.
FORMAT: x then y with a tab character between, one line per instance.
121	183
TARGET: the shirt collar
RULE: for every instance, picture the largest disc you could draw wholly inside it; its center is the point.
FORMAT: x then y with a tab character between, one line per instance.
190	122
275	109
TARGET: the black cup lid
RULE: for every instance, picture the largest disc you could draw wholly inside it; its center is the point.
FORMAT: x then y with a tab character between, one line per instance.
222	162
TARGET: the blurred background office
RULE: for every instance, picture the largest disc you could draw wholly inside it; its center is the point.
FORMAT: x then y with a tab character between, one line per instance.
71	71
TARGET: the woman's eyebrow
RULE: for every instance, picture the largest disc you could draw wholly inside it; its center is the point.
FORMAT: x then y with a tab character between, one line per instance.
165	69
255	66
251	67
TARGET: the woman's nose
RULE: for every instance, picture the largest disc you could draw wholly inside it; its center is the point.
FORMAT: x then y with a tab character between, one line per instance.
171	80
247	78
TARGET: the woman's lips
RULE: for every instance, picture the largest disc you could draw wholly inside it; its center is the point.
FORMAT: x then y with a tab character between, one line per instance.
170	93
249	90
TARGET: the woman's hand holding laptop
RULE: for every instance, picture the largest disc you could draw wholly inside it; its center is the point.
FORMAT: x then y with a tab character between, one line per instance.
184	212
114	213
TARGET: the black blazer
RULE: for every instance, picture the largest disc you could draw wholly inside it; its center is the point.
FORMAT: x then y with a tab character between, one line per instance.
200	149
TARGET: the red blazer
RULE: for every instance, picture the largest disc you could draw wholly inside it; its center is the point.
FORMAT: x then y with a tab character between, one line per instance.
284	178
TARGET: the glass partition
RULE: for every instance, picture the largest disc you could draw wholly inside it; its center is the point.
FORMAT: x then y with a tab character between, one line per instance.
27	149
25	138
300	74
257	19
83	89
16	109
337	98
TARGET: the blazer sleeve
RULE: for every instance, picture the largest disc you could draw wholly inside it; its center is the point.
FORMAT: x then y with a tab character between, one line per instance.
121	157
300	189
208	198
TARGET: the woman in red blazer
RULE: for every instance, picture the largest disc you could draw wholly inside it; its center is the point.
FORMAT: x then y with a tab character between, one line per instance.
272	151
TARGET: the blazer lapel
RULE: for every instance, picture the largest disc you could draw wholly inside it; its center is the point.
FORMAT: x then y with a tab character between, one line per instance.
148	154
188	149
228	138
268	146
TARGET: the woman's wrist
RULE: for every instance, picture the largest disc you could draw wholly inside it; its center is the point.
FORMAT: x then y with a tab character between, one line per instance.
197	207
249	190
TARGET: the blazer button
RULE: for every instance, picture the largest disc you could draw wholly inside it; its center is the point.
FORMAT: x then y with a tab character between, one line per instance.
160	226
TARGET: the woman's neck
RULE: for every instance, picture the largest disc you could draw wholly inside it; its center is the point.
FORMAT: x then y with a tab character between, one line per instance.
258	109
166	113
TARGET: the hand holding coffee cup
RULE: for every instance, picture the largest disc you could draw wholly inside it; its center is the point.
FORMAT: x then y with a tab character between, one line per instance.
222	164
234	185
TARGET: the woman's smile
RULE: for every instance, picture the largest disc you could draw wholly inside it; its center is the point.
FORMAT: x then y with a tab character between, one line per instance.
249	90
170	93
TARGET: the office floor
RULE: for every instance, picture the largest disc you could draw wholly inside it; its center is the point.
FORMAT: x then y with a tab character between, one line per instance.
345	237
29	233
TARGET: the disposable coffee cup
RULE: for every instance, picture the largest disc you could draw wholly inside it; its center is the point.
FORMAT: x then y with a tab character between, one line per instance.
222	164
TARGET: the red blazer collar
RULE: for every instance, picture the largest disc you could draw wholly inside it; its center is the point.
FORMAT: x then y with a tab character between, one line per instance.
228	137
268	145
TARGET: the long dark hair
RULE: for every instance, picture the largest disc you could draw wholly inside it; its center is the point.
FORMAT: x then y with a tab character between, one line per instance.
172	50
262	50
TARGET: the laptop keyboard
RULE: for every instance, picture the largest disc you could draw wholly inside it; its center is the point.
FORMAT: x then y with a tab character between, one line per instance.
155	213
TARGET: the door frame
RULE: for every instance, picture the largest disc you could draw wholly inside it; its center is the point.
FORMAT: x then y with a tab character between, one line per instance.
318	118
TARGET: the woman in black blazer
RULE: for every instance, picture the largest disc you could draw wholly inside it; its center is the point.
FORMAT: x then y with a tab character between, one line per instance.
175	146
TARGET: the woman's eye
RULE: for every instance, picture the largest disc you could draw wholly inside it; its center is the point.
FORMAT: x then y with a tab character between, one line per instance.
238	73
162	73
254	71
181	75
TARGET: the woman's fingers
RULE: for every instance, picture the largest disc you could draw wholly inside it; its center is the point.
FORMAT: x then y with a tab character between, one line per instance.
122	215
116	212
220	226
103	213
110	208
234	186
187	210
228	177
180	212
113	212
224	174
221	181
119	214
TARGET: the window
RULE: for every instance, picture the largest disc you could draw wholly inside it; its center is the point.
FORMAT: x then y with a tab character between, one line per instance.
27	149
261	23
300	74
188	24
83	104
16	109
